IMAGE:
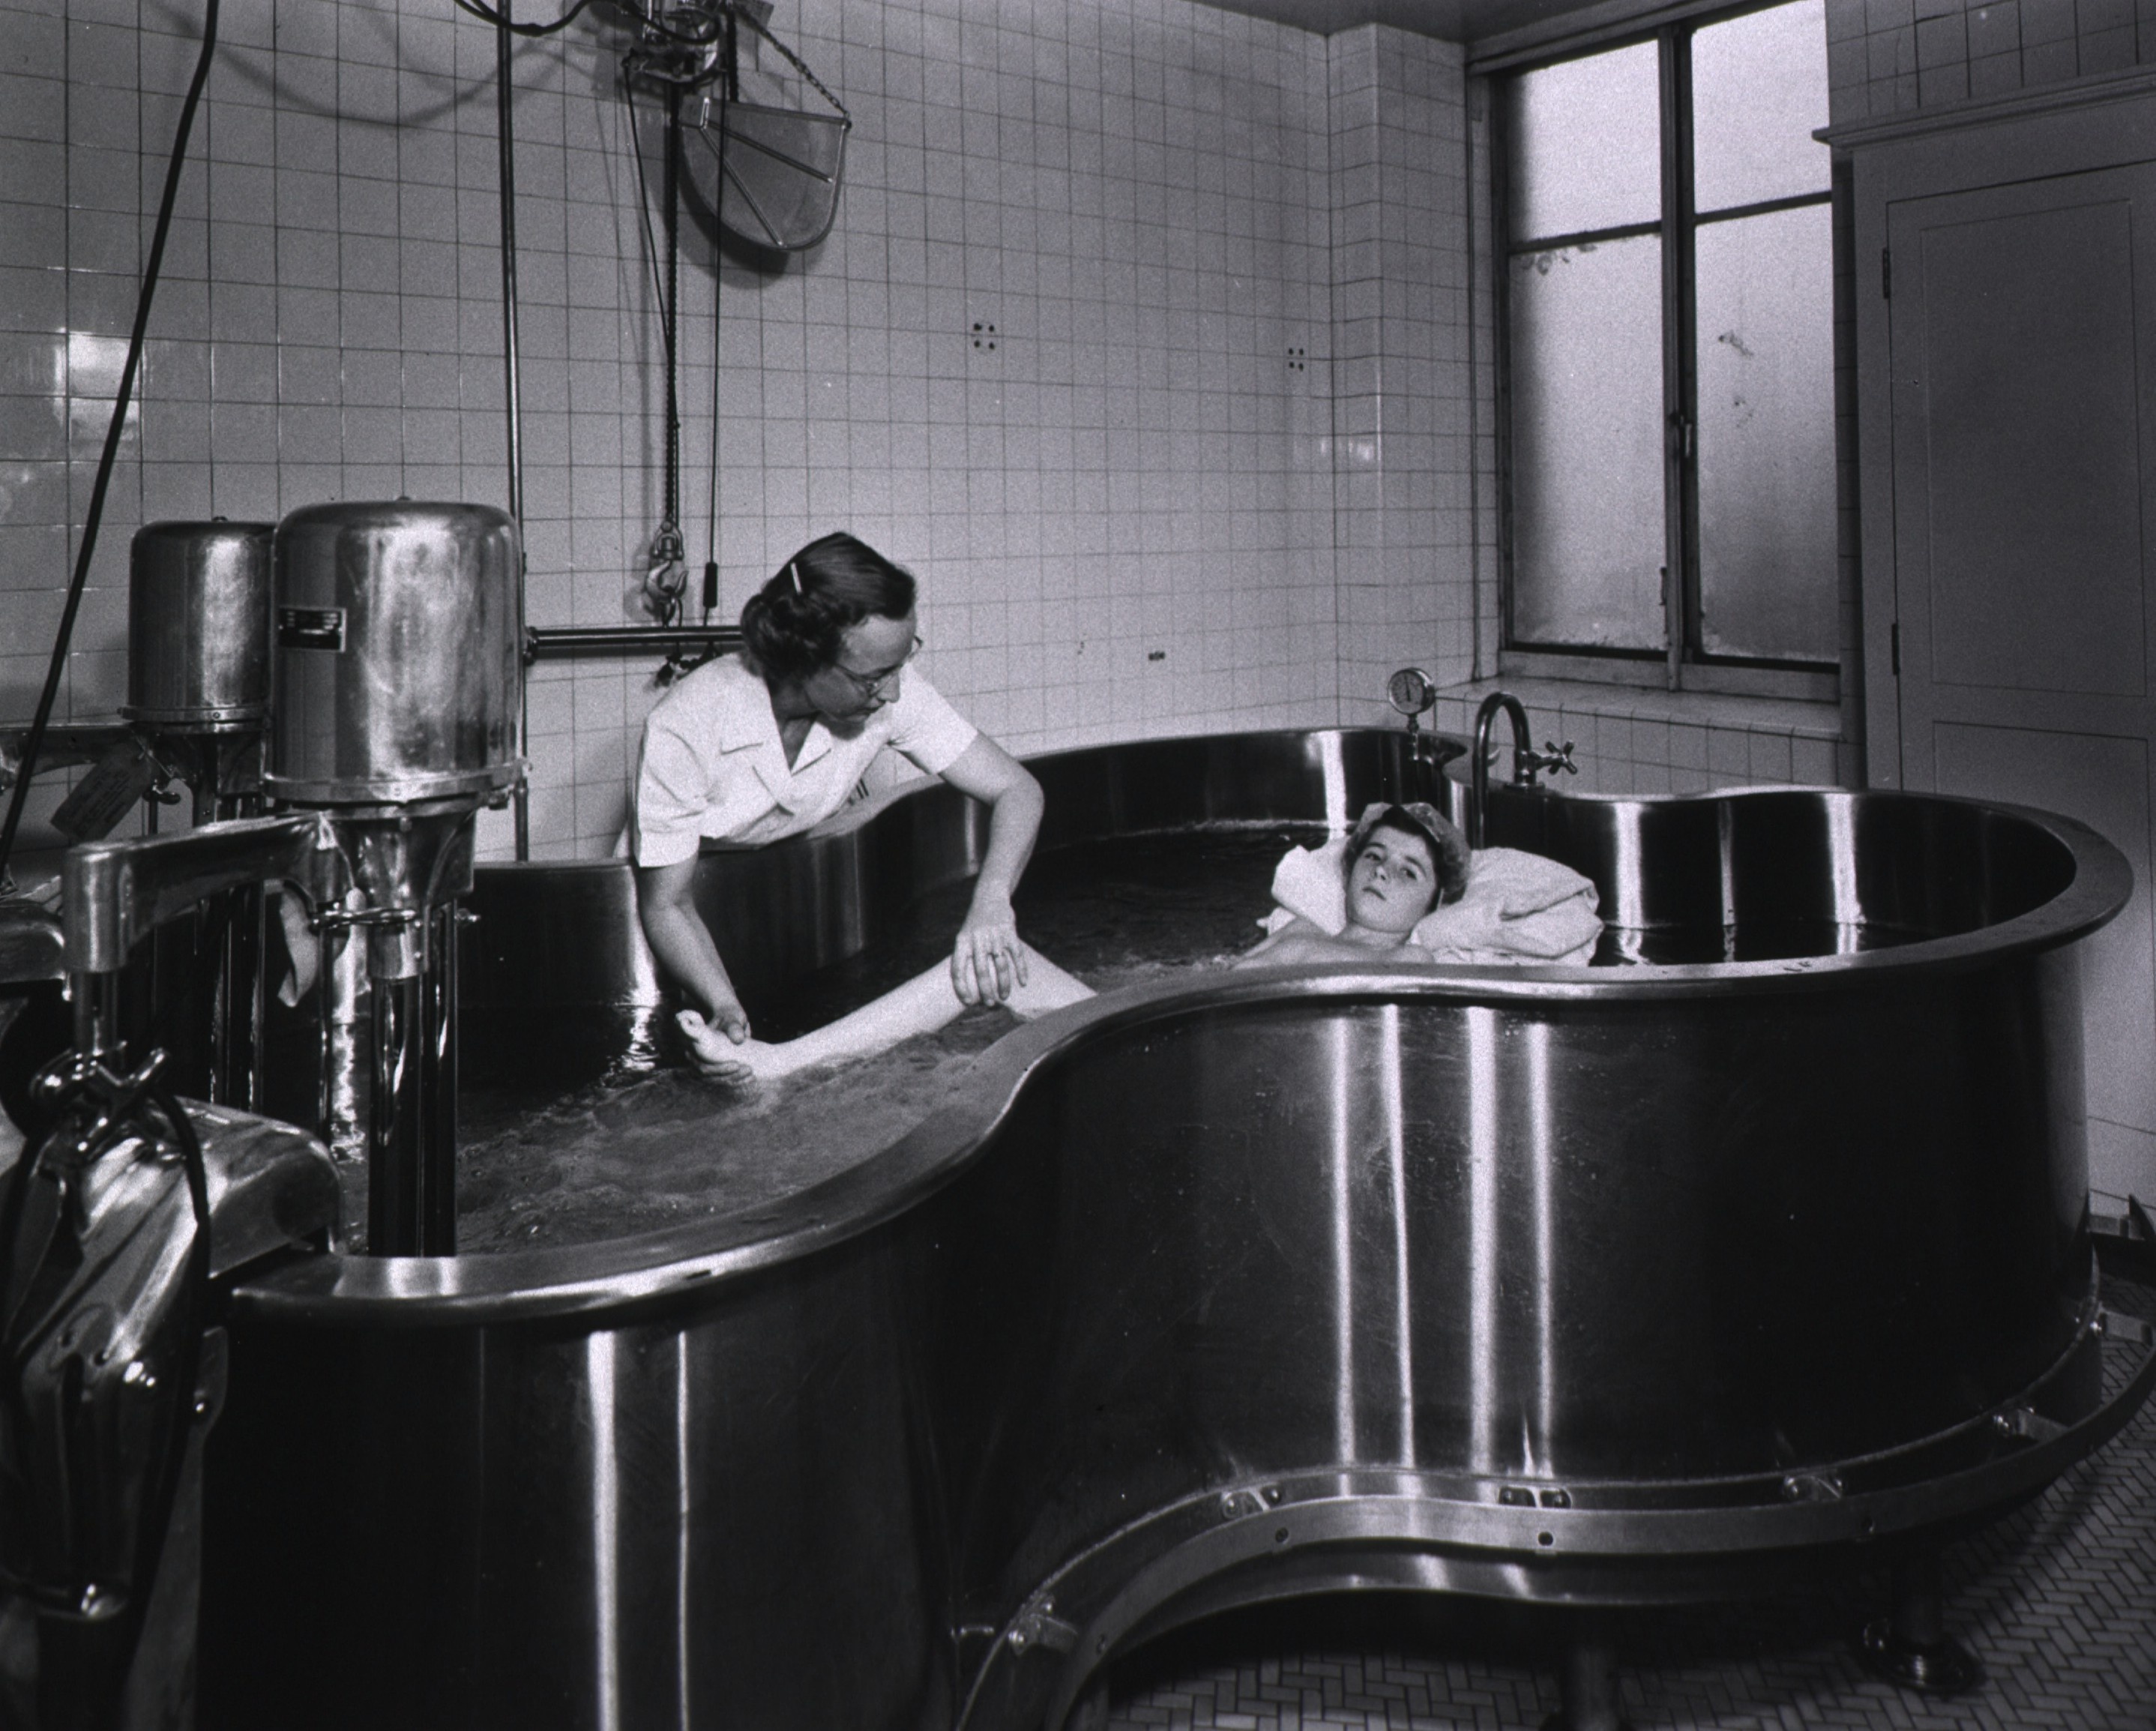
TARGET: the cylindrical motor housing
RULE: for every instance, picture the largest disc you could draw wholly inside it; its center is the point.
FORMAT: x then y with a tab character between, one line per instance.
198	602
398	662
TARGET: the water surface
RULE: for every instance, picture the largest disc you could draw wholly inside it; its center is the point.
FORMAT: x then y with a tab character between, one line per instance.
647	1143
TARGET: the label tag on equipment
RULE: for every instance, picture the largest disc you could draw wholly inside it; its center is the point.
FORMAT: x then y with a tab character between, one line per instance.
121	776
310	627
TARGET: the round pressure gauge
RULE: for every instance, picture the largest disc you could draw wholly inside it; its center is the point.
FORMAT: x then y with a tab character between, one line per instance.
1411	690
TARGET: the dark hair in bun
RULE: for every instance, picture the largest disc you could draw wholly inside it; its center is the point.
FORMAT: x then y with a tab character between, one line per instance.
793	626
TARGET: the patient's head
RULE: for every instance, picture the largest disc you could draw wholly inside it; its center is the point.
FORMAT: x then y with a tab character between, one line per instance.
1402	862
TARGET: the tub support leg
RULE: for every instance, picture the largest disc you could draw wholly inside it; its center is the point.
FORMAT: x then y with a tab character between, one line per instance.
1090	1711
1589	1698
1911	1646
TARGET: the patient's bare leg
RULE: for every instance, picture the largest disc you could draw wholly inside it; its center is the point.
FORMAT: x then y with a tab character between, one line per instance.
924	1003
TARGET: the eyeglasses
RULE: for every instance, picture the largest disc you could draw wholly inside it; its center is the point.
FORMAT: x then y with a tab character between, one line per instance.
871	686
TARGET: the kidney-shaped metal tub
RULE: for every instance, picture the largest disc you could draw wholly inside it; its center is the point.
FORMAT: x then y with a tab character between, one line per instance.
1584	1286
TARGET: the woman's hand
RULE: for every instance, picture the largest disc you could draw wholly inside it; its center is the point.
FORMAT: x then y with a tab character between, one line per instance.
726	1053
987	961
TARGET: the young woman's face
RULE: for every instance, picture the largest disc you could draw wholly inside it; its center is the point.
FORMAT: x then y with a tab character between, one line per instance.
1393	882
871	657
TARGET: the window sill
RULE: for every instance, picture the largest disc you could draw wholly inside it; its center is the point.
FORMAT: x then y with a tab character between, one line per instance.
1799	717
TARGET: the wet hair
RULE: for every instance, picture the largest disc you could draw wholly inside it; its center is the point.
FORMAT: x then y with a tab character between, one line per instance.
1448	847
795	624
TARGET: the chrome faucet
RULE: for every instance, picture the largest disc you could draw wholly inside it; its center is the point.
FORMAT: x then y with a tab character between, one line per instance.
1527	762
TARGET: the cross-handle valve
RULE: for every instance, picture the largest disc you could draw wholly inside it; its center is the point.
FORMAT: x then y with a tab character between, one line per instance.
1552	757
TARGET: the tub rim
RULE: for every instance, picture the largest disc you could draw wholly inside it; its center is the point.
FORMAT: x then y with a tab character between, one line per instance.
645	1269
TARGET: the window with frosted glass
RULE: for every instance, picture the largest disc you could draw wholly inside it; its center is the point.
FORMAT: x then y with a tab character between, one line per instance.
1669	475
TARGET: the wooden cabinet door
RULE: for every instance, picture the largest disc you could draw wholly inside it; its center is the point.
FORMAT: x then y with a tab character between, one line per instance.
2022	331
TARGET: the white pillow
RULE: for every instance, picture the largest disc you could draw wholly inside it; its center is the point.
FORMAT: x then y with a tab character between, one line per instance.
1507	890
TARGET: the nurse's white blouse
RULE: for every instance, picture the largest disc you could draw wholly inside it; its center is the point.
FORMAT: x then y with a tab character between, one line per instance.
712	764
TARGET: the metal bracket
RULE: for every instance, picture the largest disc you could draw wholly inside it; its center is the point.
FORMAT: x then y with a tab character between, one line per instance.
2024	1423
1036	1626
340	919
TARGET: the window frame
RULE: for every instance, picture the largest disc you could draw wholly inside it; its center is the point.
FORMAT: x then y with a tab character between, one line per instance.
1683	663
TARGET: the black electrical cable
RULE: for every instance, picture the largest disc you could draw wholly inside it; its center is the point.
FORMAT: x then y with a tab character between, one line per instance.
642	197
121	399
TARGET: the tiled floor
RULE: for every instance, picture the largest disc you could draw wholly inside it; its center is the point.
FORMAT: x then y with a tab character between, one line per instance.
2058	1600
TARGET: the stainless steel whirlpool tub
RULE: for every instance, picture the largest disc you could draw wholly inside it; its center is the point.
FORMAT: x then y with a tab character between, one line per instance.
1589	1286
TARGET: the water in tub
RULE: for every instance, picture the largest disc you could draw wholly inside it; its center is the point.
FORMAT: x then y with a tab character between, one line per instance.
651	1145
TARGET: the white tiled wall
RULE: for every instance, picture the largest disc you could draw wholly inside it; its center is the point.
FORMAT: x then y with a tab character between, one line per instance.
1401	511
1215	472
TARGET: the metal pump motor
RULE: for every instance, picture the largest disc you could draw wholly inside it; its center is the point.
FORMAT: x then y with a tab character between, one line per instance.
395	689
198	653
398	680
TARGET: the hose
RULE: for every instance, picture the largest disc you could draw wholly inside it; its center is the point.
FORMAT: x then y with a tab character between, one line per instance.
122	397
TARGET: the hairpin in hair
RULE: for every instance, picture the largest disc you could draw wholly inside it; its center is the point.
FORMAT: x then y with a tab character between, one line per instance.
792	572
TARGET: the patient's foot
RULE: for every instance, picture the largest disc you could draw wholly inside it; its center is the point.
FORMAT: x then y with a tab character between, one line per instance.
719	1059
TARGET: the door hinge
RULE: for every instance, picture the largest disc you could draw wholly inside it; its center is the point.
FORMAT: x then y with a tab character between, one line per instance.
1885	273
1894	647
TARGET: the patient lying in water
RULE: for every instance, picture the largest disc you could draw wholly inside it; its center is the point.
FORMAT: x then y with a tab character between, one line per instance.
1400	863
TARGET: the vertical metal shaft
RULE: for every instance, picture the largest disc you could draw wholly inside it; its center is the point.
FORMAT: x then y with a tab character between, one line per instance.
396	1139
341	1110
412	1135
1590	1677
512	383
439	1088
96	1000
1919	1620
235	1061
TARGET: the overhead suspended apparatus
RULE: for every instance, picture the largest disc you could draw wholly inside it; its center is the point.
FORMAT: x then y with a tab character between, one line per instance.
764	173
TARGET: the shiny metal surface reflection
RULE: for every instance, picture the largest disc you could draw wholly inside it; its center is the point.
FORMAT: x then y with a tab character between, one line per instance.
1571	1285
1905	866
199	624
397	674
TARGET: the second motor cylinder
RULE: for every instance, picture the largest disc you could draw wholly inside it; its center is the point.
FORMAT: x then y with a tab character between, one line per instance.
398	655
199	625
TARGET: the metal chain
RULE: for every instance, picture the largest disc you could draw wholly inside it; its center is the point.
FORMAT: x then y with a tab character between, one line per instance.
795	61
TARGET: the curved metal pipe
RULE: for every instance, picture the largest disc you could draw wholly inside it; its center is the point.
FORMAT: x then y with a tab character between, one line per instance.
1523	772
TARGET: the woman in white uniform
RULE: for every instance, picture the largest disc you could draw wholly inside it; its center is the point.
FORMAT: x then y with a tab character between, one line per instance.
755	746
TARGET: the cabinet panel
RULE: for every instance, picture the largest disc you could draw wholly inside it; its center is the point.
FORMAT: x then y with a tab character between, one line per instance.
2007	407
2020	336
2031	461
